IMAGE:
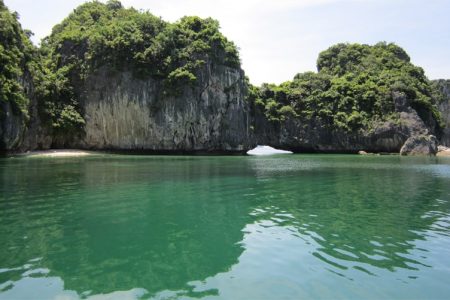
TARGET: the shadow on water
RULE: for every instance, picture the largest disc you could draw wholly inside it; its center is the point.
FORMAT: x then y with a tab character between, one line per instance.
214	226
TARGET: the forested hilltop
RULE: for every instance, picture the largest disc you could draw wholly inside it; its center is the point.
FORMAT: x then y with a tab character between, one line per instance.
362	97
110	77
354	88
97	35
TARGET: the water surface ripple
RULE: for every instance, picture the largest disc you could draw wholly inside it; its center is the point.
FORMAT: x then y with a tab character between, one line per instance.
280	227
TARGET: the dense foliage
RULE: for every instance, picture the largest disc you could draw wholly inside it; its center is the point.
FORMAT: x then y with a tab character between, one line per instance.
17	56
98	34
352	90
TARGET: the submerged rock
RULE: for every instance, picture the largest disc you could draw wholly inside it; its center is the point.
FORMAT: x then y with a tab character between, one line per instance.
267	150
420	145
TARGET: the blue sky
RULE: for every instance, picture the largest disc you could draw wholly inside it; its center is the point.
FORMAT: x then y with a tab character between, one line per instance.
279	38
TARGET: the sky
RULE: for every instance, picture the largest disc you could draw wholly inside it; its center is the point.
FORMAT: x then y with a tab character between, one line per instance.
280	38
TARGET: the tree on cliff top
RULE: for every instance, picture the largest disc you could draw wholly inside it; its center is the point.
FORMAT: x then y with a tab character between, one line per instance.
17	54
97	35
353	89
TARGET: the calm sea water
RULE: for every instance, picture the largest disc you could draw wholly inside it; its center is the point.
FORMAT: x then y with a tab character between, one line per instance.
281	227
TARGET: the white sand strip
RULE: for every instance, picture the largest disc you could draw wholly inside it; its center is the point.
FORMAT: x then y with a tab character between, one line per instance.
59	153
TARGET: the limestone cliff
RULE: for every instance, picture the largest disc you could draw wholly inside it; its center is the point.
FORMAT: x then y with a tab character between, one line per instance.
12	126
20	131
443	87
362	97
125	112
126	80
15	54
315	136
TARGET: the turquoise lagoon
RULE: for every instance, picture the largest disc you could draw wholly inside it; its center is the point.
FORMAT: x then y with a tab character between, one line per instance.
225	227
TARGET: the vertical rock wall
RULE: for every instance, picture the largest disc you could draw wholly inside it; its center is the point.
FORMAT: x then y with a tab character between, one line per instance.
12	126
127	113
444	108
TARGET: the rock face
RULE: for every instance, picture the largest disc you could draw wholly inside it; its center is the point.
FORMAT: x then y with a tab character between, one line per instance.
420	145
444	107
388	136
11	126
19	123
35	135
126	113
19	133
123	112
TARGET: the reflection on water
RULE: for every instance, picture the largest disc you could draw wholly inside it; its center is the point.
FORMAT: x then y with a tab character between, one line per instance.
132	227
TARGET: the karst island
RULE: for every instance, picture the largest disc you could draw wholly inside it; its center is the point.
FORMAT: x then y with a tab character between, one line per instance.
193	149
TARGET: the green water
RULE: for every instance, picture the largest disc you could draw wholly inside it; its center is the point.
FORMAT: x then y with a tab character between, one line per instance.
281	227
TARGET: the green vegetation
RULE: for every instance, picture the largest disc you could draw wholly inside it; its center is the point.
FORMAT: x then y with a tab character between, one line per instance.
353	89
17	57
356	86
97	35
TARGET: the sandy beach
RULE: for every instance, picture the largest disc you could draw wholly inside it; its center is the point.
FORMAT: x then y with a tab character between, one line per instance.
59	153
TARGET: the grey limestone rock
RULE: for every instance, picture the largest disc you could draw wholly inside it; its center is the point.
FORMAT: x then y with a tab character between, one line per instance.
420	145
313	136
12	126
444	108
127	113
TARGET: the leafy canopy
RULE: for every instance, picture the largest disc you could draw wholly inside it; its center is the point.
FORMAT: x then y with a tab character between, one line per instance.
97	34
352	90
17	55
